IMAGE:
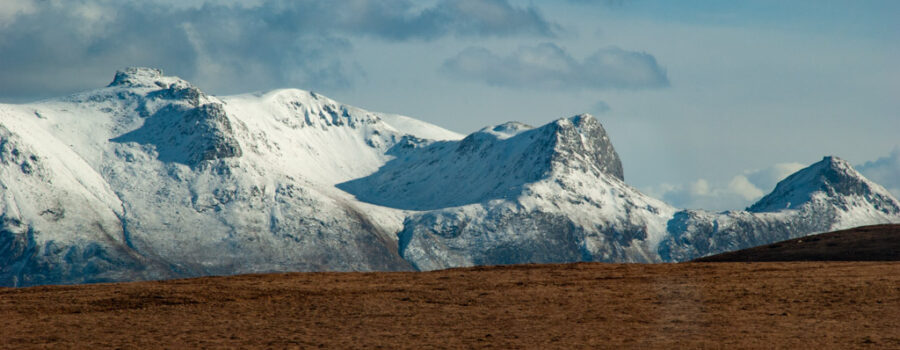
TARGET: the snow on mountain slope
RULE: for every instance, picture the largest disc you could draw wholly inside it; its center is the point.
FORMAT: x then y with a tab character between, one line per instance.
493	163
59	220
512	194
826	196
188	184
322	139
832	177
151	178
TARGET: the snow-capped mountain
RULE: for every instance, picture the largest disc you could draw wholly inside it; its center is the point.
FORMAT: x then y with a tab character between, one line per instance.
513	194
151	178
826	196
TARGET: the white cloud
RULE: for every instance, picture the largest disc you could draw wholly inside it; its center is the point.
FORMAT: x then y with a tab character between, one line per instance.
56	47
766	179
742	187
548	66
738	193
10	9
885	171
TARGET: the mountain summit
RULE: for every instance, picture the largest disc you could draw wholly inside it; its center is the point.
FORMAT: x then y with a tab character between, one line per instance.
151	178
825	196
493	163
832	177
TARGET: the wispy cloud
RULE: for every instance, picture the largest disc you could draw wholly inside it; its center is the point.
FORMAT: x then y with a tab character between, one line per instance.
473	17
607	3
548	66
600	107
52	47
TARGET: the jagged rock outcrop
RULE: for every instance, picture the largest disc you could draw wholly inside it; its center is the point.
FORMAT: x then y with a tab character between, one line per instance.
188	136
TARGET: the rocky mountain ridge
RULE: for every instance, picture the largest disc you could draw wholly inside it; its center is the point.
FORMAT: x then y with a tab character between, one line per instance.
151	178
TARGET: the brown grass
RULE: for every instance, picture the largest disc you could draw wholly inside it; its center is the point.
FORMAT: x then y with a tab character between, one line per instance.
693	305
865	243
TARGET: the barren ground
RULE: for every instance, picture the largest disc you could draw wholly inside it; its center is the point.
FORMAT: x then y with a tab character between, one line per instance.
691	305
865	243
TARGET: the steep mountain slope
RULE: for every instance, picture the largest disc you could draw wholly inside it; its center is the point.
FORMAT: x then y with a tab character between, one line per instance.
512	194
826	196
151	178
493	163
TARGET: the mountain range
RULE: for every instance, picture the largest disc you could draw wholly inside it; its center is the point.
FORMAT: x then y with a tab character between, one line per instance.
151	178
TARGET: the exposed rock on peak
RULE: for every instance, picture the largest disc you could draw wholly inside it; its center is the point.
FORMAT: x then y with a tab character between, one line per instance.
493	163
582	143
831	177
138	77
188	136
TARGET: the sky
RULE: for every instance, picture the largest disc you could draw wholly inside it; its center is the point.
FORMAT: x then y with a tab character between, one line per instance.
709	103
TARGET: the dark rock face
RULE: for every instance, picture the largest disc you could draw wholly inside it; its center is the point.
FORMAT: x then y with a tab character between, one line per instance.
693	234
183	130
12	154
188	136
503	235
15	242
24	263
214	133
434	239
136	77
584	143
187	93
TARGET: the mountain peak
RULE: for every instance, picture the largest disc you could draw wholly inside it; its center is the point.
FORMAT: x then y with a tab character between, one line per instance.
833	162
582	119
582	142
493	163
136	76
833	177
146	77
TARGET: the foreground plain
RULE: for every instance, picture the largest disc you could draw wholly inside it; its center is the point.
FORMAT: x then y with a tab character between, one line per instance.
689	305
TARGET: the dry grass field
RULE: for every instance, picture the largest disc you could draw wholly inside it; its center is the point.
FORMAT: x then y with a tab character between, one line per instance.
839	305
802	293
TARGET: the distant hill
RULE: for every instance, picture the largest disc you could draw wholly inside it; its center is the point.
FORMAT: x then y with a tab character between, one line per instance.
865	243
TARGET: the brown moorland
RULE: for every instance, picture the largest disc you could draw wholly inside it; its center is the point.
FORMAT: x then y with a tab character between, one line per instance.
864	243
588	305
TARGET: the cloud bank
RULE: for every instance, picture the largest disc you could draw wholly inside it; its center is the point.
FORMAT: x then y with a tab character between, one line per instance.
885	171
548	66
738	193
54	47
